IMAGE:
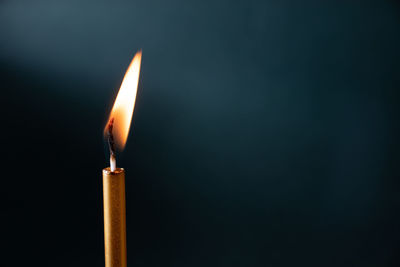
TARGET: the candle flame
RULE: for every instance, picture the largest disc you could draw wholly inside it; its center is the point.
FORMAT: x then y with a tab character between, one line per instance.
124	104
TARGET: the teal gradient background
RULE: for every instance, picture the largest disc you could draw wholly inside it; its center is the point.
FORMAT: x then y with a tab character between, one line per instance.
265	133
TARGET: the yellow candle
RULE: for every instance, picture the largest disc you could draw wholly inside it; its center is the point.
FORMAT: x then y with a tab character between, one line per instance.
114	217
116	131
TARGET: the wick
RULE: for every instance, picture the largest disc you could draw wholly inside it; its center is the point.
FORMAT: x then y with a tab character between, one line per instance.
113	163
111	145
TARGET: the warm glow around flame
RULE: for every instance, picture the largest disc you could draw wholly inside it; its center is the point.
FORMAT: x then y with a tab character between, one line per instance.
125	102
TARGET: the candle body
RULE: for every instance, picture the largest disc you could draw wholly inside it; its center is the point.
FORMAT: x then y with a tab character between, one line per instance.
114	217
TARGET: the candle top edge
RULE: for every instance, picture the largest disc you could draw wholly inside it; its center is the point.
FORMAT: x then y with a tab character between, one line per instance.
117	171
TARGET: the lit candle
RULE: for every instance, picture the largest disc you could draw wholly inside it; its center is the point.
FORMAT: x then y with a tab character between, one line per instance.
116	132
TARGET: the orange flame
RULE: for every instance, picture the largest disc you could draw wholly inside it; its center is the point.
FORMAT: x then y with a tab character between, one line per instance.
125	102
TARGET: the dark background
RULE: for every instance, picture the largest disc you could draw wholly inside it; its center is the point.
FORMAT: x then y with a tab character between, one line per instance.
265	133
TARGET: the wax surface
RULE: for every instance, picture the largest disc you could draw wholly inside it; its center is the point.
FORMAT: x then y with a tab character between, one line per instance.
114	217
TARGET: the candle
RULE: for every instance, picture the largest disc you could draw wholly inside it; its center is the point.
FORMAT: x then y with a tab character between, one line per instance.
116	131
114	217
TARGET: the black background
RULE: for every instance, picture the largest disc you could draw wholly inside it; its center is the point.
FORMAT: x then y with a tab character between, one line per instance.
265	133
